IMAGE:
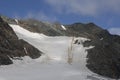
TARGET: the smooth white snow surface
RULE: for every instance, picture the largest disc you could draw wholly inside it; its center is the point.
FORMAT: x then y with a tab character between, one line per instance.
53	64
63	27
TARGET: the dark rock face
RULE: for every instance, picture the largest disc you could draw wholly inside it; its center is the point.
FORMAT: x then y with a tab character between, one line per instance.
104	58
83	30
11	47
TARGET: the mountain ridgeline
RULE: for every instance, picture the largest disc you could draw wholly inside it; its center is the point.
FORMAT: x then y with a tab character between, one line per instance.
103	59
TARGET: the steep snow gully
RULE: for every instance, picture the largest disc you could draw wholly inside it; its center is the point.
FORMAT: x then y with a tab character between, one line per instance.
62	59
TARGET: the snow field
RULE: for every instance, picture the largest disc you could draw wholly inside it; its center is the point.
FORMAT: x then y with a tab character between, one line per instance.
53	64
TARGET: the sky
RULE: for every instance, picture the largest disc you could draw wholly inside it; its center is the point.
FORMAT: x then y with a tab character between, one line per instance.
104	13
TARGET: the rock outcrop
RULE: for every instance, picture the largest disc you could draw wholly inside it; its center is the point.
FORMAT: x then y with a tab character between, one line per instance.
11	46
104	58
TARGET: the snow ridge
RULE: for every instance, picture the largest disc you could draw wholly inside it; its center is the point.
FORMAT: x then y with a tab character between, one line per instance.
26	33
16	21
63	27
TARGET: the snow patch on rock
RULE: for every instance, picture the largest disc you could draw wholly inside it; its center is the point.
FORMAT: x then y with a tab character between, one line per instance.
63	27
16	21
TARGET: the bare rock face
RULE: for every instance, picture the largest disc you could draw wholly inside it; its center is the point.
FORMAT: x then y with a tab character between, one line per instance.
104	58
11	47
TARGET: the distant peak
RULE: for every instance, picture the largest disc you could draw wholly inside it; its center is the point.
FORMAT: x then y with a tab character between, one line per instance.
91	24
78	23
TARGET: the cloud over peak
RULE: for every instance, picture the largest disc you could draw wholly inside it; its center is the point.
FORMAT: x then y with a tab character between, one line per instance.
85	7
115	31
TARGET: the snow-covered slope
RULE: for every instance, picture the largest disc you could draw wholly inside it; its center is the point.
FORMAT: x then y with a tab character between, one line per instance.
54	47
53	65
20	30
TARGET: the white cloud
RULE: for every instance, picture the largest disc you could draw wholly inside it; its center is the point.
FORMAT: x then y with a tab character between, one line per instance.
41	16
85	7
114	31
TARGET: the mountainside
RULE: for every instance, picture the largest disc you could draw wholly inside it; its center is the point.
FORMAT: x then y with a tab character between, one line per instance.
103	59
11	47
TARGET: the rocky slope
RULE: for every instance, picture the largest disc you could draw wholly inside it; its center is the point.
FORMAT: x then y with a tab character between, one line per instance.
11	46
103	59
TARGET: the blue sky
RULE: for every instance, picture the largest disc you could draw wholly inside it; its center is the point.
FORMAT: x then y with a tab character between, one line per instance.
105	13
